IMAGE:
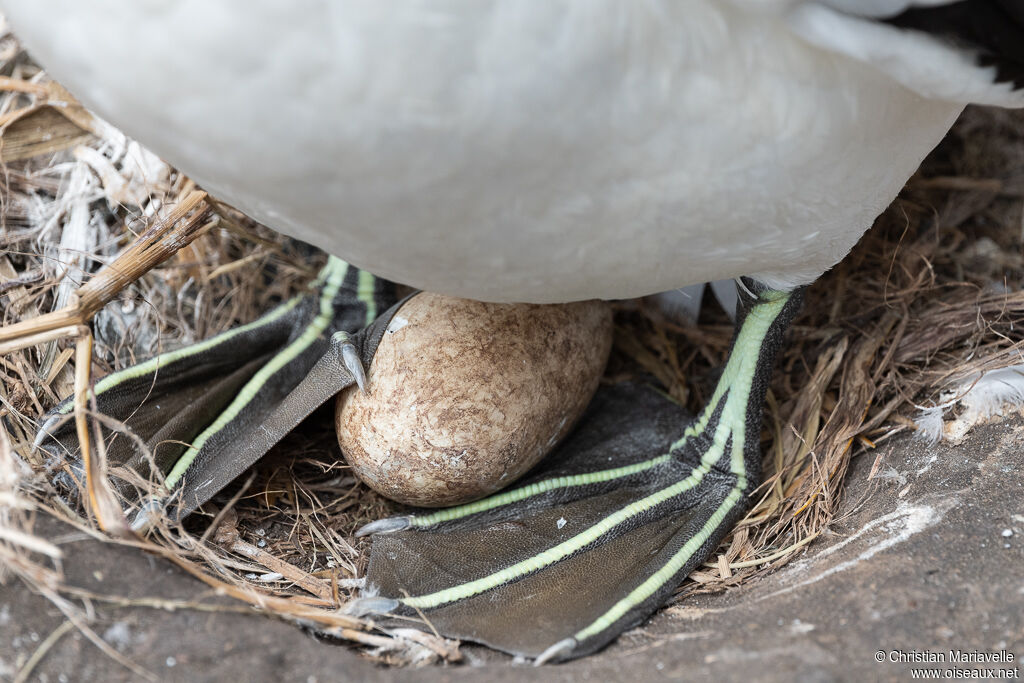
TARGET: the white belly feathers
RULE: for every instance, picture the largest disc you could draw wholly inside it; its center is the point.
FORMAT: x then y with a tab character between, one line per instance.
508	151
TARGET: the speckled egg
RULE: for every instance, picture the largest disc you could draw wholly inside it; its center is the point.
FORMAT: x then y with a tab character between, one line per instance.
464	397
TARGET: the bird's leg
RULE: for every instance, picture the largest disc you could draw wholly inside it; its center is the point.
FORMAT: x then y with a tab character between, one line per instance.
612	523
200	415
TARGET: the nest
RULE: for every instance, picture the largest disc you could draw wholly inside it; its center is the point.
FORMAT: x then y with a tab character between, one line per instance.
931	294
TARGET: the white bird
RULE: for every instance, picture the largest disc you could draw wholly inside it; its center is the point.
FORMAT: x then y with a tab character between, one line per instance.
554	151
540	152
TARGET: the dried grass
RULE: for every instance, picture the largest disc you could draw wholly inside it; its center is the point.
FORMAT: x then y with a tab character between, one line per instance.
911	309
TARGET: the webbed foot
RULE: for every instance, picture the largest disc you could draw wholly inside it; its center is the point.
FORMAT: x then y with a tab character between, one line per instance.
202	414
611	524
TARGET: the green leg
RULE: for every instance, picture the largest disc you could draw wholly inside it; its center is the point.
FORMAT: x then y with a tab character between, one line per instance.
601	536
202	414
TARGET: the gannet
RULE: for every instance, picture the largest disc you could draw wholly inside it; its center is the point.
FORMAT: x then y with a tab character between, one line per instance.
536	152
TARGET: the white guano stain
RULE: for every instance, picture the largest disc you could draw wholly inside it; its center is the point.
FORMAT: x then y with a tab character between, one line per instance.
907	520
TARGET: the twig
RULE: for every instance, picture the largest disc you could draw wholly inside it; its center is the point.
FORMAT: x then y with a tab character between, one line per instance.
18	85
153	247
291	572
30	542
102	502
41	651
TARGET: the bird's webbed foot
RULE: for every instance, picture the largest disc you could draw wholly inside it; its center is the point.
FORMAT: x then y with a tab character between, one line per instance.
192	419
606	529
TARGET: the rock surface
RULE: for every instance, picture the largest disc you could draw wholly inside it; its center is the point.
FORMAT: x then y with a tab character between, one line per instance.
928	557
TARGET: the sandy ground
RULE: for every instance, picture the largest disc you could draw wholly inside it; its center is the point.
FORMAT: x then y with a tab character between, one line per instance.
927	557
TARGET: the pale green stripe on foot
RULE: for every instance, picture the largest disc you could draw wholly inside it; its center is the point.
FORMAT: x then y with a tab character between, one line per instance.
735	386
335	275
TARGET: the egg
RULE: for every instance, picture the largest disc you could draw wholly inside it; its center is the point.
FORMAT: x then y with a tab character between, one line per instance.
464	397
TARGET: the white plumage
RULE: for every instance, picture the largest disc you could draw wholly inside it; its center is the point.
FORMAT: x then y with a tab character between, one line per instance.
976	398
529	151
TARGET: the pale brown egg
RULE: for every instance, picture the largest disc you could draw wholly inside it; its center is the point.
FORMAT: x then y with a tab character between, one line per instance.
464	397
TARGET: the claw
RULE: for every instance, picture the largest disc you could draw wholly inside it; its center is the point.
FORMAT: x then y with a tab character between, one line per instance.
350	357
556	651
145	519
388	525
44	431
363	606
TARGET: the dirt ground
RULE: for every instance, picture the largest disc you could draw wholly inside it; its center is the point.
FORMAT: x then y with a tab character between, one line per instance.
926	558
